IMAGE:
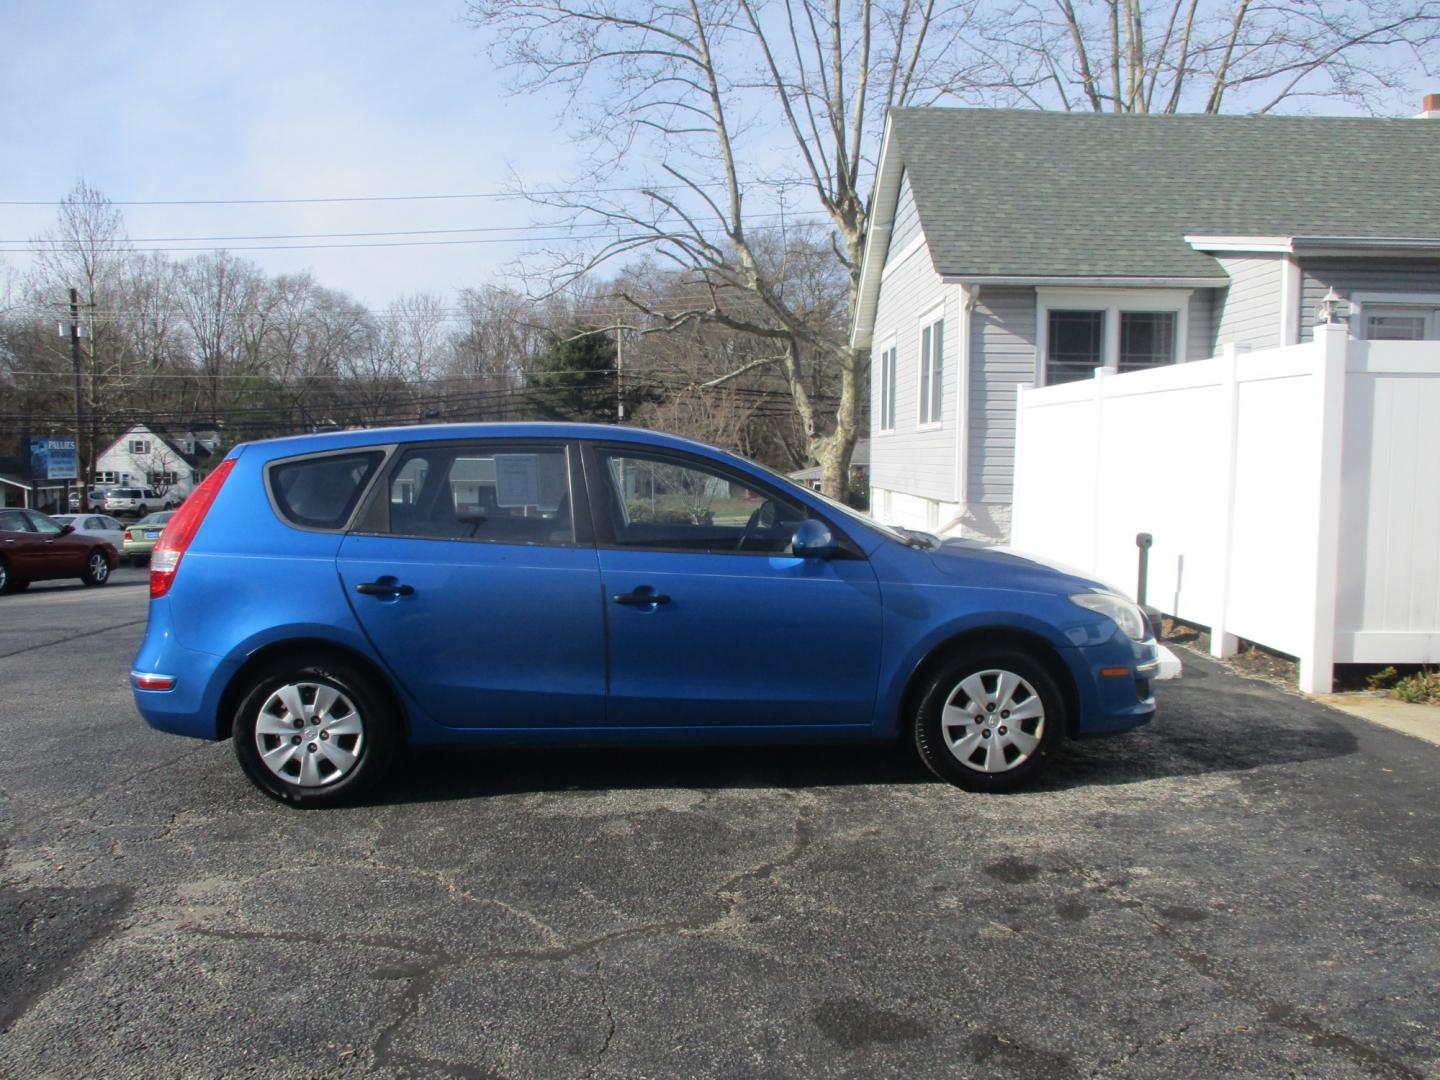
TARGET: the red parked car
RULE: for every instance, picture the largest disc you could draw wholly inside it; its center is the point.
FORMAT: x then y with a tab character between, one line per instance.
34	548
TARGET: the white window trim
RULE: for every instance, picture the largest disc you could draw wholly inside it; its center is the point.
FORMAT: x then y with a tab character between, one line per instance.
1112	302
892	347
929	319
1396	299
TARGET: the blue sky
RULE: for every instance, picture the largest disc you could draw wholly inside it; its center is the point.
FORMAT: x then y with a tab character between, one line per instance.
203	100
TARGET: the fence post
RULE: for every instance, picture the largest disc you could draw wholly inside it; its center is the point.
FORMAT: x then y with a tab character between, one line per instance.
1222	642
1098	383
1317	662
1019	483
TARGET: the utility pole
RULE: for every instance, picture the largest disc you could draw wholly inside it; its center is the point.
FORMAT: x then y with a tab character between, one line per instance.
619	370
82	460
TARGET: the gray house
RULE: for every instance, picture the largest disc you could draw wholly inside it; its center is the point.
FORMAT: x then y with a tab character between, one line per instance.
1009	247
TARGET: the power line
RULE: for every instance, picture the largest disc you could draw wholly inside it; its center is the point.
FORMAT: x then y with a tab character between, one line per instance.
61	243
493	195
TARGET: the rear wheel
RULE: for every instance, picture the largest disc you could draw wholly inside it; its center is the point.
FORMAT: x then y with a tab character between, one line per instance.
97	568
314	734
990	720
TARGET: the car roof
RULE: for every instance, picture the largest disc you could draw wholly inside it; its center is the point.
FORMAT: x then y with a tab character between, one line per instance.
340	440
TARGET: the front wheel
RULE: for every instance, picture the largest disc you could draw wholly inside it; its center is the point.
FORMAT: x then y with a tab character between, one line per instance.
989	721
9	582
97	568
314	734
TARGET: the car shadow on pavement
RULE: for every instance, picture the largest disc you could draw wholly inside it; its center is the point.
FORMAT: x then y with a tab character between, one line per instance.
1212	721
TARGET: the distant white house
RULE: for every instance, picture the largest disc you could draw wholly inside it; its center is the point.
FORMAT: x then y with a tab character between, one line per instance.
146	457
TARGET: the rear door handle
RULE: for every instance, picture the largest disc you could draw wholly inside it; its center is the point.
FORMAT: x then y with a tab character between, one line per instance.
640	598
384	588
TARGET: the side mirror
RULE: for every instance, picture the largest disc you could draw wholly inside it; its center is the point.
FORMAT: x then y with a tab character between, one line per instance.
813	540
66	530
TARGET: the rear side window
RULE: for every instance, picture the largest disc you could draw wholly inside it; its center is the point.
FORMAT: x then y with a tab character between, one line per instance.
321	492
487	492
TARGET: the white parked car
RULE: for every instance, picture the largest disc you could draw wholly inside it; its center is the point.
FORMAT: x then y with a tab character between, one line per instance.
100	525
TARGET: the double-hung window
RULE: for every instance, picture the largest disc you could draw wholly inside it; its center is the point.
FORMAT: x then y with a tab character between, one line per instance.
887	389
1118	330
932	369
1395	316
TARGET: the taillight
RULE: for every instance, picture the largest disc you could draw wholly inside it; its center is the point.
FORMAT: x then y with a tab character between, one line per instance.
128	536
181	529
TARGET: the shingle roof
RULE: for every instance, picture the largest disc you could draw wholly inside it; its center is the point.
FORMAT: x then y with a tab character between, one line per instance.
1015	193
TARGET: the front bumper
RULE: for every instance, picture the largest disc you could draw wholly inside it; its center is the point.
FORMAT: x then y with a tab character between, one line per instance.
1115	681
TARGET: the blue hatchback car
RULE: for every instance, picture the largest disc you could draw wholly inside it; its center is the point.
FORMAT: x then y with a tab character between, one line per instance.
324	599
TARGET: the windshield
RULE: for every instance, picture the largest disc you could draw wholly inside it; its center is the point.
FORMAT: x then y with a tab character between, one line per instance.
158	518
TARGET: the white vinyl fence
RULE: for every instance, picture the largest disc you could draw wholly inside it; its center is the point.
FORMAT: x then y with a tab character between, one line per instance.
1293	494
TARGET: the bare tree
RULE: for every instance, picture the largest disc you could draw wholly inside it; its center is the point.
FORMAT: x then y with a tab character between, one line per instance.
701	89
1187	56
86	251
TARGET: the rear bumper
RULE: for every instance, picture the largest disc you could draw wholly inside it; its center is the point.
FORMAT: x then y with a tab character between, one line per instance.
191	705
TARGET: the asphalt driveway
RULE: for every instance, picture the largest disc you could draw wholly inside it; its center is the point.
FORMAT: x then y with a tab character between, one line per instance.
1249	887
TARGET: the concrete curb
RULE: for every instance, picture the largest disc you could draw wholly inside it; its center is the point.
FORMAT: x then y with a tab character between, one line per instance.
1420	721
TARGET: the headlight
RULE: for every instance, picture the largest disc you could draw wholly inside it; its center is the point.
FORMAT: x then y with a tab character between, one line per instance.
1126	615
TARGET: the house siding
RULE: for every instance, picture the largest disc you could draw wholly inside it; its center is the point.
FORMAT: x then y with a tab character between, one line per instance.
908	460
1200	332
1348	276
1249	314
907	219
1002	351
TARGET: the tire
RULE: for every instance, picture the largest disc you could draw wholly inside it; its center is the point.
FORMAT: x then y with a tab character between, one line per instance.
963	730
9	583
140	511
339	752
97	568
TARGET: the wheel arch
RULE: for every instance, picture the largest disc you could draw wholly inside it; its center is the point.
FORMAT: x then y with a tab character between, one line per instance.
989	637
313	650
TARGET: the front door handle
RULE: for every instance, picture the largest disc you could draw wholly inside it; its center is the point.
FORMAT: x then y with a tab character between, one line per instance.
384	588
639	598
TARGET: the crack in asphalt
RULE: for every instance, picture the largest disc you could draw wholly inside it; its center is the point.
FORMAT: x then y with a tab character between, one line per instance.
1239	989
609	1014
74	637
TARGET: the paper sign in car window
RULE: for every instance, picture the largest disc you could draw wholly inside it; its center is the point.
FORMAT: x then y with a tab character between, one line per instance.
517	480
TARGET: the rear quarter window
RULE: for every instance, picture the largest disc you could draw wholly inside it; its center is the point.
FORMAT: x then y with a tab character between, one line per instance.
321	492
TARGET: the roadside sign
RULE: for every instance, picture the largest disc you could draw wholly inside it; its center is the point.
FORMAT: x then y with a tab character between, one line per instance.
53	459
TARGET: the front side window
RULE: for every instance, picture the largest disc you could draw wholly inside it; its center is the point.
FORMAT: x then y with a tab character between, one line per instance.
42	524
674	504
887	389
487	492
932	371
14	521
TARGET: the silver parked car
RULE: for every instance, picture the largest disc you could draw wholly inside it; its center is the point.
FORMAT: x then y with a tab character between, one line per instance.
98	525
